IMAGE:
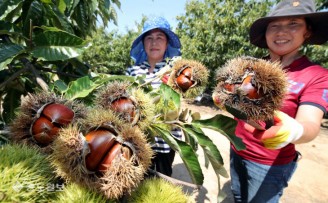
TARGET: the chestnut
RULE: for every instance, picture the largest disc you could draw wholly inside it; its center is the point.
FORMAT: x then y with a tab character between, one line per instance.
187	72
58	113
117	150
43	131
109	157
249	90
231	88
126	107
103	149
100	142
183	82
52	117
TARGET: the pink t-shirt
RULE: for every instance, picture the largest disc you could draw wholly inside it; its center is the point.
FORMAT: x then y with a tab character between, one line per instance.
308	85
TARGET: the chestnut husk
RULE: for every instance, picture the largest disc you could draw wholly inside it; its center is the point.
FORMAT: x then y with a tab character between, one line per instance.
254	86
197	77
160	190
30	110
145	108
122	176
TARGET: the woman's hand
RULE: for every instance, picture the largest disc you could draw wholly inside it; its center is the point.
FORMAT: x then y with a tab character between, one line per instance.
284	131
165	78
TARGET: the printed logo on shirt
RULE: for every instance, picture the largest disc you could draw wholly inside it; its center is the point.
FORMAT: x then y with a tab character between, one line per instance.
325	95
295	87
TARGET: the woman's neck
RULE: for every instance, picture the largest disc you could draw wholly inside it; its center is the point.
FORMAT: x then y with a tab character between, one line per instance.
286	59
152	64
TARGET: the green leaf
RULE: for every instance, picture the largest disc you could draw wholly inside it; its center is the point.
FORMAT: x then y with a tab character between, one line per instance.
223	124
210	150
57	45
7	6
80	88
61	86
58	18
169	94
187	154
211	154
10	103
82	17
62	6
9	51
32	17
46	1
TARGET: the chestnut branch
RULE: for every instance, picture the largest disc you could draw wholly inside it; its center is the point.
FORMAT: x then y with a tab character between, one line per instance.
4	132
165	70
39	80
13	77
58	72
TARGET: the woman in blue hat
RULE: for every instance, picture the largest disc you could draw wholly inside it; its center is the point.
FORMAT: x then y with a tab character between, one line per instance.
261	171
150	50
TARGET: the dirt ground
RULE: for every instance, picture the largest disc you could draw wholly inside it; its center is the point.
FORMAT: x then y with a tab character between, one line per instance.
308	185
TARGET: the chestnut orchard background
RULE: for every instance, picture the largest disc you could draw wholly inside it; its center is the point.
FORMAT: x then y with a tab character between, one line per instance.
211	32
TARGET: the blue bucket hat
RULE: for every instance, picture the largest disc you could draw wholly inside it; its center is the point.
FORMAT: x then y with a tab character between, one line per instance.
138	53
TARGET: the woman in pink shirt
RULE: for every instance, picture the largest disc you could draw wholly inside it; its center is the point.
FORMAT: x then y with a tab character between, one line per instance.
261	171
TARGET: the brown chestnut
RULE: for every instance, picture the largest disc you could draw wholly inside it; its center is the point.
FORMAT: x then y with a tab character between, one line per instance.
249	90
58	113
117	149
229	87
187	72
126	107
43	131
100	142
110	156
184	79
183	82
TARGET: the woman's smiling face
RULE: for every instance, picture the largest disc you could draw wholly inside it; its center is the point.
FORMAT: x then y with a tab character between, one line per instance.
155	43
286	35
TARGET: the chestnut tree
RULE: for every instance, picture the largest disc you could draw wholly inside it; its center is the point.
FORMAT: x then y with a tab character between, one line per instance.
41	41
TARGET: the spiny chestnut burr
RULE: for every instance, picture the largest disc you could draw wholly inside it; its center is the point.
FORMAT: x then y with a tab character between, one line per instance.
184	80
189	78
136	106
103	150
254	86
52	117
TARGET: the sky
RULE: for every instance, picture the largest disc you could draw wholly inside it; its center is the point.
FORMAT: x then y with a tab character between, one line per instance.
132	11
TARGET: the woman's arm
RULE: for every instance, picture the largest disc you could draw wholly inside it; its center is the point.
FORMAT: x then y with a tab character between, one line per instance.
310	118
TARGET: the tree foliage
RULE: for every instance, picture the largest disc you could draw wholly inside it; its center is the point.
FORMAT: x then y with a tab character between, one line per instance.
109	52
322	4
40	41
